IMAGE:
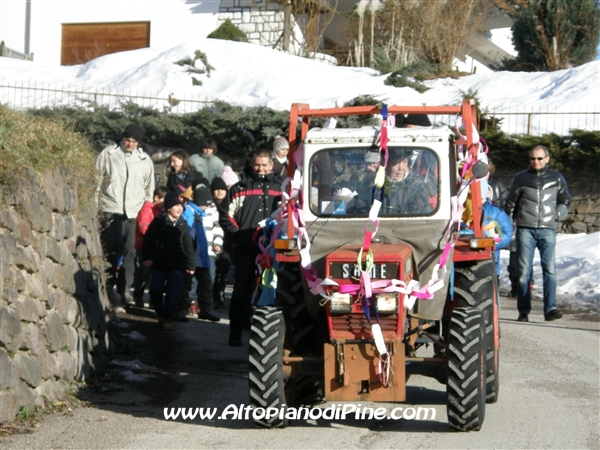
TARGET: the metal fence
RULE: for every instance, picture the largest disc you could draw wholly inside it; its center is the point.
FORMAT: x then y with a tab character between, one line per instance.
534	120
26	95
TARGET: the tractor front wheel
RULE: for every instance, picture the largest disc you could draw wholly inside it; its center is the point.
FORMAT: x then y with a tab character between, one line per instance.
466	386
476	286
265	366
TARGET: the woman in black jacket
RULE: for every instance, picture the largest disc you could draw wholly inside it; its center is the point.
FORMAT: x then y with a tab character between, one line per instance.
182	174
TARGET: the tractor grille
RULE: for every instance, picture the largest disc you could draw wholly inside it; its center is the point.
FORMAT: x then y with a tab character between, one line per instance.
353	325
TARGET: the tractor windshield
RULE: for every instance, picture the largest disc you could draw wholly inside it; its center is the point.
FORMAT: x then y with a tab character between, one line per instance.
342	181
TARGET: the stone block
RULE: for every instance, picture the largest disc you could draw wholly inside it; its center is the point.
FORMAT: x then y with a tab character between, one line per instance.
8	406
8	372
17	224
49	187
64	366
72	338
67	308
66	277
10	295
24	395
33	286
10	329
52	390
28	368
59	199
578	227
27	309
47	270
75	227
46	362
71	246
70	197
58	227
54	251
55	331
38	214
26	258
17	279
33	339
39	244
8	248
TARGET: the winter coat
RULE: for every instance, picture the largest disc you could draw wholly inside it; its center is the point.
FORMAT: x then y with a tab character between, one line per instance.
538	199
126	180
210	166
280	168
144	218
248	202
407	197
179	182
499	192
168	244
493	213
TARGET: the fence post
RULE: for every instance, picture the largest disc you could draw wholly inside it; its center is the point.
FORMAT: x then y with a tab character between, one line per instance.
529	123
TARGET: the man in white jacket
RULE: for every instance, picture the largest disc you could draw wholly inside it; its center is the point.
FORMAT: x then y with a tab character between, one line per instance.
126	180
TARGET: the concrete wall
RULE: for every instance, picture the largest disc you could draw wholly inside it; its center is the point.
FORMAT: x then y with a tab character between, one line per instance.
172	22
54	310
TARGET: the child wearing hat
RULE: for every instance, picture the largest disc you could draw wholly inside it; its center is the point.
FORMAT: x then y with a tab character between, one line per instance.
208	237
281	147
168	249
144	218
222	264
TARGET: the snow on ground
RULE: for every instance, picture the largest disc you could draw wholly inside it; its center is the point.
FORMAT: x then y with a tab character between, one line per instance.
251	75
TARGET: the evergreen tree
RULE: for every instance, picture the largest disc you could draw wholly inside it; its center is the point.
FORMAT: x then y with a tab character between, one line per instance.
556	34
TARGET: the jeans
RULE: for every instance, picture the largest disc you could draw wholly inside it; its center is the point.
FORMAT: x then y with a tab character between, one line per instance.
165	286
528	239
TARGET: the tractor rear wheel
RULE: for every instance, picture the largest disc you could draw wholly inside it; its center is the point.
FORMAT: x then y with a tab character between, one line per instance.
265	365
466	386
476	286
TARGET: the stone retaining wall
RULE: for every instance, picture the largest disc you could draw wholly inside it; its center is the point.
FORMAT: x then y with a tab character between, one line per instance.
54	309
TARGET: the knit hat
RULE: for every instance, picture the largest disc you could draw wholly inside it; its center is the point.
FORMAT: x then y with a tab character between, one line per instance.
420	120
229	176
218	183
171	199
202	196
371	157
280	143
133	131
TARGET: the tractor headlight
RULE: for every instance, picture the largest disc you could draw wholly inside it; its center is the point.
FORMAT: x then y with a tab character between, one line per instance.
387	302
340	303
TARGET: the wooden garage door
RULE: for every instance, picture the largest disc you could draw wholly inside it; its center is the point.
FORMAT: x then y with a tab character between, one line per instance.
82	42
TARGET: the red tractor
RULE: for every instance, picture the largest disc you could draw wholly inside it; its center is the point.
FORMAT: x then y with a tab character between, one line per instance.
375	263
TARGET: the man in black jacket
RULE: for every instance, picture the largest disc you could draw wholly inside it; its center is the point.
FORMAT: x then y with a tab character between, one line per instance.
537	199
249	202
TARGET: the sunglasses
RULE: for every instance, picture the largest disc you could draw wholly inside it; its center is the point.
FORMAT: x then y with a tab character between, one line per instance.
538	159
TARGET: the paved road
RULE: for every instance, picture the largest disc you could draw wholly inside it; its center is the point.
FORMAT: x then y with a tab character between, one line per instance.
549	397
